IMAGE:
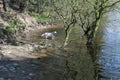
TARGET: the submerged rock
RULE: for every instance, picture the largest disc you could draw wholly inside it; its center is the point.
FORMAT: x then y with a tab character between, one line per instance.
31	74
1	78
11	67
3	68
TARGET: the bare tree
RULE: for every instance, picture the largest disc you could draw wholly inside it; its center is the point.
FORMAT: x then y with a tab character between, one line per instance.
86	13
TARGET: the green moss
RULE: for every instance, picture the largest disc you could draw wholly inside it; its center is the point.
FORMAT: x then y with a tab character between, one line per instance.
1	33
41	17
10	26
13	24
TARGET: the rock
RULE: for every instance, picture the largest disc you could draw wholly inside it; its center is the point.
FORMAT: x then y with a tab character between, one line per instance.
43	51
28	78
1	56
23	71
1	78
9	79
15	64
2	68
50	49
31	74
11	68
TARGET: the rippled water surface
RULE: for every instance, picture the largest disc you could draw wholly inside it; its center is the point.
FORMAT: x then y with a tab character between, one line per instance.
109	57
74	62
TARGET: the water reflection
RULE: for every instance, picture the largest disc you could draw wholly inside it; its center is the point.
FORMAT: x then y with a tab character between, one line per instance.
109	57
77	64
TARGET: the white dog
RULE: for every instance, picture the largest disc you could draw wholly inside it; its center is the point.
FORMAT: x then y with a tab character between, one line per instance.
49	35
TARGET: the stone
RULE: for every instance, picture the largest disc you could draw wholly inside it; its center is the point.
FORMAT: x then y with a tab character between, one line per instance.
9	79
12	69
43	51
15	64
50	49
31	74
2	68
1	78
23	71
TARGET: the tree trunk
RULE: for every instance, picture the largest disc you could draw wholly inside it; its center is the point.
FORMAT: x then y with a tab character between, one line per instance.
4	5
91	36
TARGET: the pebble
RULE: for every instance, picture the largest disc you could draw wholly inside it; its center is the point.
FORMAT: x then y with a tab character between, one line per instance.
9	79
43	51
23	71
1	56
2	68
12	69
28	77
2	78
50	49
15	64
31	74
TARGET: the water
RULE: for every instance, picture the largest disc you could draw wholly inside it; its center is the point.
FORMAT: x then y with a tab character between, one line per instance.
74	62
102	62
109	55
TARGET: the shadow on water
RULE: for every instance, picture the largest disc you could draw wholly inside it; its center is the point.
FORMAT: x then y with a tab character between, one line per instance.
68	65
47	68
71	63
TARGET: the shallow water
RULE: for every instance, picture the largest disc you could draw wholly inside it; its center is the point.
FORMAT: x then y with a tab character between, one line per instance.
51	63
75	61
102	62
